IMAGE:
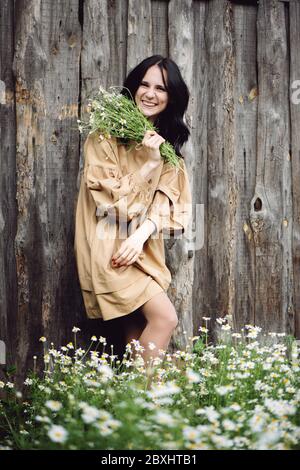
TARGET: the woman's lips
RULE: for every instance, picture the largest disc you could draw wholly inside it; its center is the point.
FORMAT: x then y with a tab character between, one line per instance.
149	105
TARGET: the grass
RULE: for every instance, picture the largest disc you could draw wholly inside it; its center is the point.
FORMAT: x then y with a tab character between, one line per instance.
240	393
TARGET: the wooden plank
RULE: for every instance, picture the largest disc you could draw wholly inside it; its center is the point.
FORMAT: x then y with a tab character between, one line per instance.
221	172
159	12
8	285
181	50
245	119
271	205
200	187
48	42
96	50
117	27
139	42
294	16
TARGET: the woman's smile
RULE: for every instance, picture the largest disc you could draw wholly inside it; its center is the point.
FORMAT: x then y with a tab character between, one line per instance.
151	96
149	105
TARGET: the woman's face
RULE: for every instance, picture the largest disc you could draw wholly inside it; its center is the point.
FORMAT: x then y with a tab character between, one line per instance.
152	97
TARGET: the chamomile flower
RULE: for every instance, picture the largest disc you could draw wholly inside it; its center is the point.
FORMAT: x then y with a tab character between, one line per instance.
53	405
57	433
75	329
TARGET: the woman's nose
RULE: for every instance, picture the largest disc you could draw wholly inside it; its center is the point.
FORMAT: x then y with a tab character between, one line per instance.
150	92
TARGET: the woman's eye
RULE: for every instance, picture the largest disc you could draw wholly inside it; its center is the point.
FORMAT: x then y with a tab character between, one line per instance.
159	87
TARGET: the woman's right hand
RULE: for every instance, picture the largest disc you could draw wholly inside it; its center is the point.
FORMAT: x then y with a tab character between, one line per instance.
151	142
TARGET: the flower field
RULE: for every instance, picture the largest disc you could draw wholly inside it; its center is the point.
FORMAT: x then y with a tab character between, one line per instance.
240	393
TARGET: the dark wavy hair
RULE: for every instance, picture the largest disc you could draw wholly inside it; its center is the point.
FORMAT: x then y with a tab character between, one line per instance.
169	123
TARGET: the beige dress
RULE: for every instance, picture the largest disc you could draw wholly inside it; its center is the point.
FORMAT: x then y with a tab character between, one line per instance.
114	199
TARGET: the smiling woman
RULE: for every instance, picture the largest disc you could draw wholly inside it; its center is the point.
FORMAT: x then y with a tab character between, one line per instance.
152	96
121	275
159	80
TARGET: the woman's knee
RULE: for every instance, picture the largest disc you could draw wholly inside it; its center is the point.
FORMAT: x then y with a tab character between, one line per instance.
161	314
165	322
173	320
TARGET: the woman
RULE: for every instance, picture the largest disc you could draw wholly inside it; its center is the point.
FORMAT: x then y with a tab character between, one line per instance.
125	186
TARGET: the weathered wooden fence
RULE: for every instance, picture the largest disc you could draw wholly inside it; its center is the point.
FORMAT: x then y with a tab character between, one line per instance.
240	61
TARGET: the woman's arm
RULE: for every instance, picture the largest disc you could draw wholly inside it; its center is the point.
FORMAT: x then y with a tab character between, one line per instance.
171	207
146	229
133	245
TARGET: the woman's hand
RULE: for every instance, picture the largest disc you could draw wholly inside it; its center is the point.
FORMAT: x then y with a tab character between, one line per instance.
129	250
152	141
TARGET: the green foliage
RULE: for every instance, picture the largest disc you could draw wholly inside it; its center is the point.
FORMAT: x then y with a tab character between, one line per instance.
113	114
241	393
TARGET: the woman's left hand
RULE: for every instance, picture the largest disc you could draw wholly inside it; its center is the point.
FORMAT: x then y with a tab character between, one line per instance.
129	250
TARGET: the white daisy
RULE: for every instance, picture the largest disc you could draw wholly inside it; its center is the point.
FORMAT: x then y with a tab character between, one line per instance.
57	433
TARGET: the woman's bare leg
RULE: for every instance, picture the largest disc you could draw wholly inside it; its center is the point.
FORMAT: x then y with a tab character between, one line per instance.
162	320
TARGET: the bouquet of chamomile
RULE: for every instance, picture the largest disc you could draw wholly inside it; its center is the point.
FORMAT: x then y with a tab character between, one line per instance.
113	114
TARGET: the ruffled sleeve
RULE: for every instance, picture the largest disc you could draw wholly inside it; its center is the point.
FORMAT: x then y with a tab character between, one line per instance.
121	196
171	208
